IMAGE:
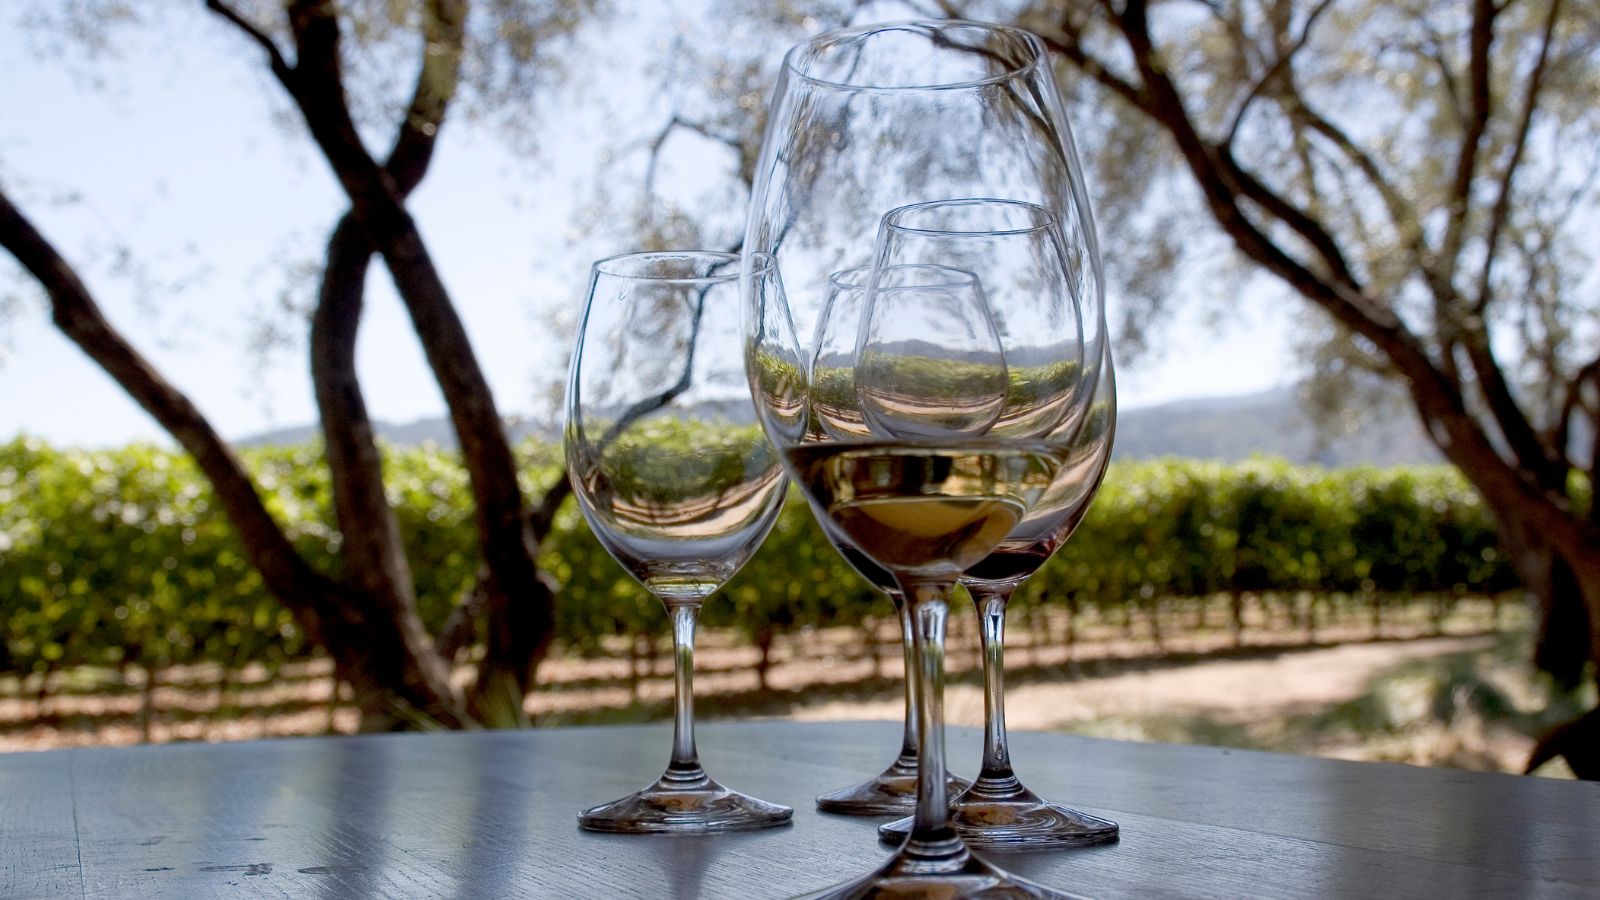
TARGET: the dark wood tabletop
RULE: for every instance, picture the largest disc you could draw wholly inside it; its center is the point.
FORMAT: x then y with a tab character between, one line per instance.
493	814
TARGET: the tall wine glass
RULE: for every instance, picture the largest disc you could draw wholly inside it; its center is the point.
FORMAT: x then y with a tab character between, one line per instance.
832	364
926	495
865	121
998	811
675	479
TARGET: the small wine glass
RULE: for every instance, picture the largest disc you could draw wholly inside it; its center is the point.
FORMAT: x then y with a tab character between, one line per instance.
676	480
894	790
1029	273
997	811
1017	253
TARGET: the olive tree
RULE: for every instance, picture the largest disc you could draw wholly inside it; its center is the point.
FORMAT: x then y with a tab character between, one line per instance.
365	616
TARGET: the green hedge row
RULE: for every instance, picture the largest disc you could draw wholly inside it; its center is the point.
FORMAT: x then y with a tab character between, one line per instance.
121	556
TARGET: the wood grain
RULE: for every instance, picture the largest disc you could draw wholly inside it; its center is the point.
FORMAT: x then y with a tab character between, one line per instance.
493	814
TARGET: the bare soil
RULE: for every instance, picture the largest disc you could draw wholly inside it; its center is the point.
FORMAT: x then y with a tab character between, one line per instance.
1179	676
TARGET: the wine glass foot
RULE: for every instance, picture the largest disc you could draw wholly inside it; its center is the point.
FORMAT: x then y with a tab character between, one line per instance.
674	806
892	793
961	875
1014	819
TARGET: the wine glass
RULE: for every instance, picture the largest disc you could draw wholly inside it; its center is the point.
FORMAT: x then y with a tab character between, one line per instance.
862	122
675	479
997	811
1014	250
893	791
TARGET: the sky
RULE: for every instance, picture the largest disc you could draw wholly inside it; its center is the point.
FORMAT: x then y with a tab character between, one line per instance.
181	155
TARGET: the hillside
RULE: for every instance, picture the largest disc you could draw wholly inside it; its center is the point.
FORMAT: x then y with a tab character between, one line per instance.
1272	423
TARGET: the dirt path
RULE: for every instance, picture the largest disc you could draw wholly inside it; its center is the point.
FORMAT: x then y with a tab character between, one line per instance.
1189	681
1318	701
1241	692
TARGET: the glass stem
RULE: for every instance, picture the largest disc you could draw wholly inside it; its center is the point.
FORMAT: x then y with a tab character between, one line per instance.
991	603
932	829
908	739
685	765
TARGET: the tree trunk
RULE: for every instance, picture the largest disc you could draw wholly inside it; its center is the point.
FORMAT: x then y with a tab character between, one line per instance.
635	664
764	638
518	600
1566	628
147	705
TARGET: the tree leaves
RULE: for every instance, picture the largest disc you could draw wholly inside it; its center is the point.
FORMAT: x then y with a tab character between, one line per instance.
121	556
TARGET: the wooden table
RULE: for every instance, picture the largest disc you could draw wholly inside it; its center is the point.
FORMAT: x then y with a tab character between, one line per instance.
491	814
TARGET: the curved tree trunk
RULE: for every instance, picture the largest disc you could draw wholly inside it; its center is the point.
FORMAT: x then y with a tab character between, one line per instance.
331	613
1462	393
517	599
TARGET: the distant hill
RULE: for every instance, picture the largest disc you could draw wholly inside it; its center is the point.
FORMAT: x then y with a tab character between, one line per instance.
403	434
1272	423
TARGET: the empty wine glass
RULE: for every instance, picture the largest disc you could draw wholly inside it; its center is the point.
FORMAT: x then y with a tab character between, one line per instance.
1023	266
675	478
997	811
833	401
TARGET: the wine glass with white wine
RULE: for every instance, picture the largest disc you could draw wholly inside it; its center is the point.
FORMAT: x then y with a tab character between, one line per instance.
832	365
962	437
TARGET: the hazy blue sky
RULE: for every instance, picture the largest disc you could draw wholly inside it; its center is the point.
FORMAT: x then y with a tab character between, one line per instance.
183	158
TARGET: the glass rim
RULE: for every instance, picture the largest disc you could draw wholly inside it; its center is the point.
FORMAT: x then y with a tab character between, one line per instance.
1046	218
610	265
860	277
1028	39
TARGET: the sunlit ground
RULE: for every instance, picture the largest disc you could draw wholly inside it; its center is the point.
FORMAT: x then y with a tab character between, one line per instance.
1457	691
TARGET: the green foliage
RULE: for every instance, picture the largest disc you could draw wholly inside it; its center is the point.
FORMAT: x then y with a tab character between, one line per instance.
121	556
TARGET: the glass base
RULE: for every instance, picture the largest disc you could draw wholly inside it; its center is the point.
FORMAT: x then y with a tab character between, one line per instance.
679	805
893	793
954	872
1001	814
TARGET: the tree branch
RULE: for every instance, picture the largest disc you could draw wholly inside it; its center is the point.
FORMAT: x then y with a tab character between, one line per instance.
520	603
1225	182
373	552
1544	462
280	66
1273	71
660	140
543	515
1437	399
1502	201
74	310
1571	403
438	77
1072	49
1401	214
1473	130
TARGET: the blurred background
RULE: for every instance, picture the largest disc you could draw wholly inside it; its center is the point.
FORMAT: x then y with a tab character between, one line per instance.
1351	508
